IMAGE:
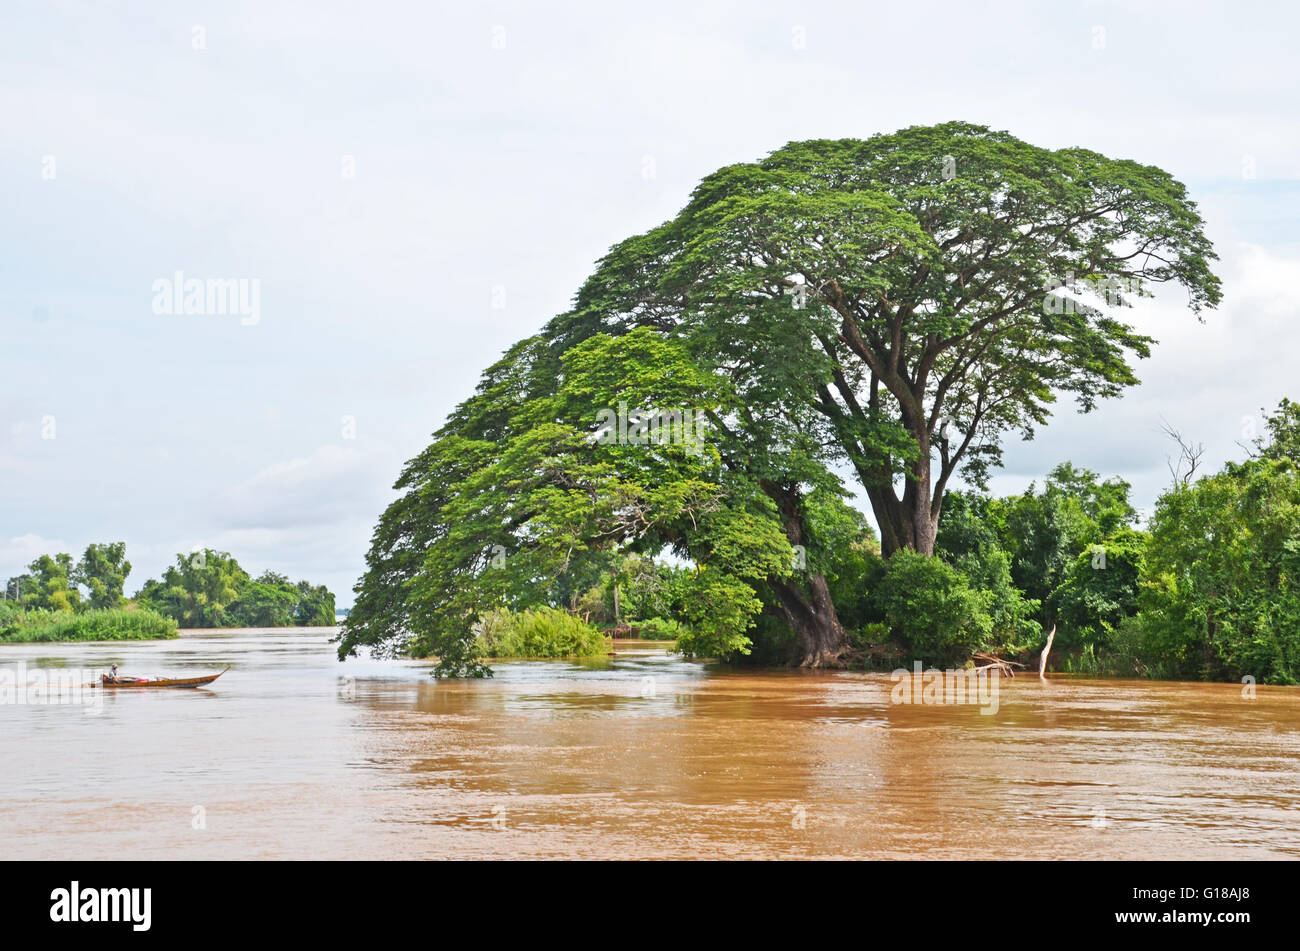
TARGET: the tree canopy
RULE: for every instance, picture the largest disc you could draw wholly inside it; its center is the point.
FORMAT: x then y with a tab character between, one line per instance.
210	589
924	293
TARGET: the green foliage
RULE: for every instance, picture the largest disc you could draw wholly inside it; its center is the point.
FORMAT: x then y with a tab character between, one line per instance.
1031	550
875	648
1012	616
103	570
1220	594
1046	532
841	546
206	589
720	611
13	616
649	589
1100	589
538	632
264	603
210	589
1282	441
547	510
773	642
969	541
932	608
54	582
871	634
1217	593
315	607
91	625
646	588
51	584
840	305
661	629
198	590
923	260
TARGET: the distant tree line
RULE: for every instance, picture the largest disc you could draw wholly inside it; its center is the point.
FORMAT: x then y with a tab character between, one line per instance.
203	589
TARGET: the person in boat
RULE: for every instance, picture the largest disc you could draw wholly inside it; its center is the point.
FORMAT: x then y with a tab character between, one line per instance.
111	676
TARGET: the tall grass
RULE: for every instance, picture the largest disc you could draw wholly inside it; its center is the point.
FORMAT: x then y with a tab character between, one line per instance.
118	624
538	632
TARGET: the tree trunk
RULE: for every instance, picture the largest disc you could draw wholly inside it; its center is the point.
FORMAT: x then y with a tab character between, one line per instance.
894	534
912	521
811	614
925	527
908	522
812	617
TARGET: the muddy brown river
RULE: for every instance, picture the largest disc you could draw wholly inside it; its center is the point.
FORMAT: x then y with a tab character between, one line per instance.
292	755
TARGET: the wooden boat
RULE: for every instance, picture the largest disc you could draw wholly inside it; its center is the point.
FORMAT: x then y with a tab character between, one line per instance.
127	682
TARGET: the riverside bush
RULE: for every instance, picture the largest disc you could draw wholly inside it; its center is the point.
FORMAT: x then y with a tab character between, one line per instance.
660	629
113	624
932	608
538	632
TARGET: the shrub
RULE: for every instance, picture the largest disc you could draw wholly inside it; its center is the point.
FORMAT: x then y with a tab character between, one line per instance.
874	648
869	636
661	629
932	608
10	615
721	610
538	632
1012	626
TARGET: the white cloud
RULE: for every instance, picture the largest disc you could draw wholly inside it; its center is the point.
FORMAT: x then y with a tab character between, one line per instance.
1207	380
17	553
325	487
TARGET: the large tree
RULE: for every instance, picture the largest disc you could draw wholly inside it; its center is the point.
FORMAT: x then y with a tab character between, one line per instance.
51	584
103	570
198	591
896	305
925	292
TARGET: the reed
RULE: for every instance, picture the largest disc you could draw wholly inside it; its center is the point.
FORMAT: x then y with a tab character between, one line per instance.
115	624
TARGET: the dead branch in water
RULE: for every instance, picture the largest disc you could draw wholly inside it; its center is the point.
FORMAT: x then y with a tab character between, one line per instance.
991	662
1042	658
1003	667
994	659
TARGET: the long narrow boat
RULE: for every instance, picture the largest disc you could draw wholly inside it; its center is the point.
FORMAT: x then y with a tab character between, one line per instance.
122	682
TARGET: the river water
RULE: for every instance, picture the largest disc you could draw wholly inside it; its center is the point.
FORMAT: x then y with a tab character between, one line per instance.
292	755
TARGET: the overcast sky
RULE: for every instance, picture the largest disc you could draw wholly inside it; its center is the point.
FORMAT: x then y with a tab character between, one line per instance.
415	186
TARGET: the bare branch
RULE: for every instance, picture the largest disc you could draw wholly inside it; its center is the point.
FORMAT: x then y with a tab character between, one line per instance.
1189	455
